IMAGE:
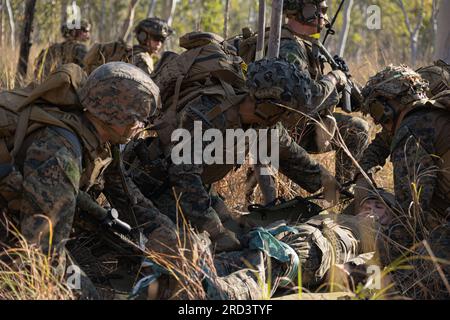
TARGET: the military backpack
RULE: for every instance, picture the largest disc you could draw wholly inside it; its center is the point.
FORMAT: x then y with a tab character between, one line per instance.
102	53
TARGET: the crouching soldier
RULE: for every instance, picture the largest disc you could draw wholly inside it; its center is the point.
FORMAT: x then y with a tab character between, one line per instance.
206	85
56	140
416	137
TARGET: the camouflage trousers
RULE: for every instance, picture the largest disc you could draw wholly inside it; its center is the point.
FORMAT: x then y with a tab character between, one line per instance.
319	244
296	162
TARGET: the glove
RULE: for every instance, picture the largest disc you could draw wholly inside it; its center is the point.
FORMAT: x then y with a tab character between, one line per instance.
339	78
341	63
331	187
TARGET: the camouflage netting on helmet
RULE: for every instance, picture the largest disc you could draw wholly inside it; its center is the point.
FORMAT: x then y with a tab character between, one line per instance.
292	7
395	82
155	27
120	94
280	82
438	76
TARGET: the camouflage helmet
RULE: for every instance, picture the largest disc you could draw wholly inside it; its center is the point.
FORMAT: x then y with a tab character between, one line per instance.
119	93
68	28
305	10
386	196
397	83
276	84
438	77
154	27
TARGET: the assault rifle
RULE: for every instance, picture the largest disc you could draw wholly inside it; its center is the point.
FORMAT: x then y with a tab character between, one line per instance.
352	94
115	232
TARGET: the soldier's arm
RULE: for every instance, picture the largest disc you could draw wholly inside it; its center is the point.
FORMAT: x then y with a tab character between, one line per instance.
324	93
51	171
125	197
145	63
377	152
415	169
80	53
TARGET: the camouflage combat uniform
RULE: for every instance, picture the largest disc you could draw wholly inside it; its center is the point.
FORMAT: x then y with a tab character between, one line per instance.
142	59
319	244
310	136
197	105
69	51
420	153
56	162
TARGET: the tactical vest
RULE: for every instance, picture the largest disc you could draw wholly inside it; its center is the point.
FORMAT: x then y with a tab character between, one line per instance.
441	202
209	67
53	103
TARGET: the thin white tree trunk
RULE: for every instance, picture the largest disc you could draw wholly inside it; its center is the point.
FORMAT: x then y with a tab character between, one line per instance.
101	32
151	9
173	5
226	19
413	31
128	23
443	34
345	27
2	23
12	24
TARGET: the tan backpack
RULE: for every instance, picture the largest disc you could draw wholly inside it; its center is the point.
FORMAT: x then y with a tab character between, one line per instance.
24	110
102	53
208	60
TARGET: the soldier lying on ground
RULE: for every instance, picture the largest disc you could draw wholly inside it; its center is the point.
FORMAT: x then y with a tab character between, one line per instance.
213	92
272	256
58	140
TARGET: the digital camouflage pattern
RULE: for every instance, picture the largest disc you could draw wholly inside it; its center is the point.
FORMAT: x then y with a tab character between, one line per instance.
154	27
118	93
69	51
311	136
142	59
438	77
320	243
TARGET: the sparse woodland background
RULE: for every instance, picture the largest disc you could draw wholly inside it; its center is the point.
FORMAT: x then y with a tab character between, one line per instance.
414	32
409	30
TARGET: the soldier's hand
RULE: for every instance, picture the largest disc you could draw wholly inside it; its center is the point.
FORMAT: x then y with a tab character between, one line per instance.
339	79
331	187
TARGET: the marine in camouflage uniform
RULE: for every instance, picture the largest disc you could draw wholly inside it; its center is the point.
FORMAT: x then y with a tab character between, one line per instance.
197	105
416	137
151	34
71	50
55	162
299	50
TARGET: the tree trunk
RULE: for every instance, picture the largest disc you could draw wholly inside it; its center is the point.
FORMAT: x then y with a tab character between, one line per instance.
345	27
25	43
275	29
171	12
413	31
443	34
151	9
64	4
2	23
12	24
101	32
128	23
226	18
